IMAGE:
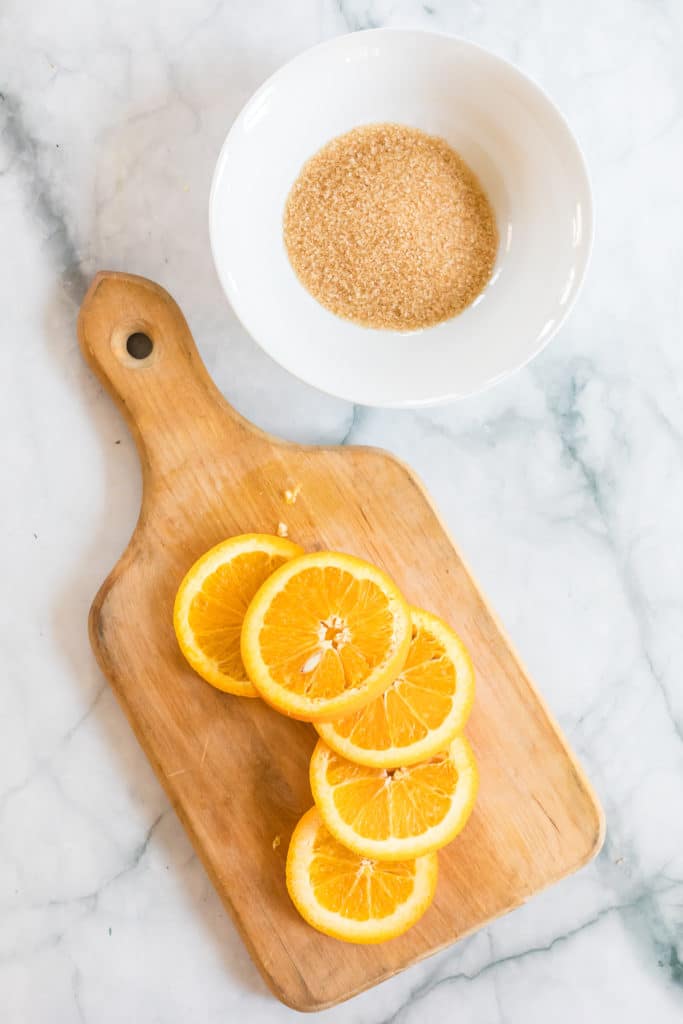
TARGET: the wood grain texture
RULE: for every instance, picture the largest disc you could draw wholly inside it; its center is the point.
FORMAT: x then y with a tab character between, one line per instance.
236	771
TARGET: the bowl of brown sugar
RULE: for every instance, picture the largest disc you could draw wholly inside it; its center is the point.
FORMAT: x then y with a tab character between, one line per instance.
400	218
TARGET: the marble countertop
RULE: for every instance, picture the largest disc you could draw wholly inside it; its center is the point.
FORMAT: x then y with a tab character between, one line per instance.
563	487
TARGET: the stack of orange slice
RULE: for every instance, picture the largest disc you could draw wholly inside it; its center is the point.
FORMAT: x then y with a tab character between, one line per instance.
329	639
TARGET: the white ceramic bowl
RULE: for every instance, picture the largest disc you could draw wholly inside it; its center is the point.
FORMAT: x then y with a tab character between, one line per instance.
508	131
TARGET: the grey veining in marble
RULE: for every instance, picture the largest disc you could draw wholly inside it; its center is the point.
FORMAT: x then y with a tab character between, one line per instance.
563	487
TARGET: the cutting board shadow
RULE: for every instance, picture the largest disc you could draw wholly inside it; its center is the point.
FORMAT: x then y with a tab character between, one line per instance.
234	770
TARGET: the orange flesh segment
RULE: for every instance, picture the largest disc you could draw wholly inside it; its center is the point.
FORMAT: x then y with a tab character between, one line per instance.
416	702
381	804
356	887
325	632
217	611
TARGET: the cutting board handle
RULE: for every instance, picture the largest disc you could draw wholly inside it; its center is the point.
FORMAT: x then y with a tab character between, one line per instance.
137	341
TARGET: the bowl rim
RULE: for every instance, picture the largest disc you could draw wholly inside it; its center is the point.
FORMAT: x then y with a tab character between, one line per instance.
510	67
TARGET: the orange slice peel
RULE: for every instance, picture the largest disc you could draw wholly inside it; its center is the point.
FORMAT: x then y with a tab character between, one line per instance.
395	814
350	897
212	600
420	711
325	634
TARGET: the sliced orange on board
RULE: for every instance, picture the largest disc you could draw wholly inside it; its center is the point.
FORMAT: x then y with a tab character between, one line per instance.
325	634
352	897
212	600
420	712
400	813
328	638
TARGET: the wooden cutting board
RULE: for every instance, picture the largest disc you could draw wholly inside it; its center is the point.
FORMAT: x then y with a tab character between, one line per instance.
234	770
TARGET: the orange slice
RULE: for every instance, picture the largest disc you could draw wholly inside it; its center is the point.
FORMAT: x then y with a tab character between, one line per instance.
420	712
211	602
324	635
350	897
395	814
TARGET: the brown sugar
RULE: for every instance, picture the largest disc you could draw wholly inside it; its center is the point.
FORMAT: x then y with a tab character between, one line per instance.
389	227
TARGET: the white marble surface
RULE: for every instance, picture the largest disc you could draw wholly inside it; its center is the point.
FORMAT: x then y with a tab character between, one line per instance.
564	487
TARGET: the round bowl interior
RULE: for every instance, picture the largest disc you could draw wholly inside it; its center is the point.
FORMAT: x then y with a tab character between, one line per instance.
506	129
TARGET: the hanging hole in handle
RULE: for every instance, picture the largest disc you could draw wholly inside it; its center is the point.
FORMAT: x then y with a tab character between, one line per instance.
134	343
139	345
